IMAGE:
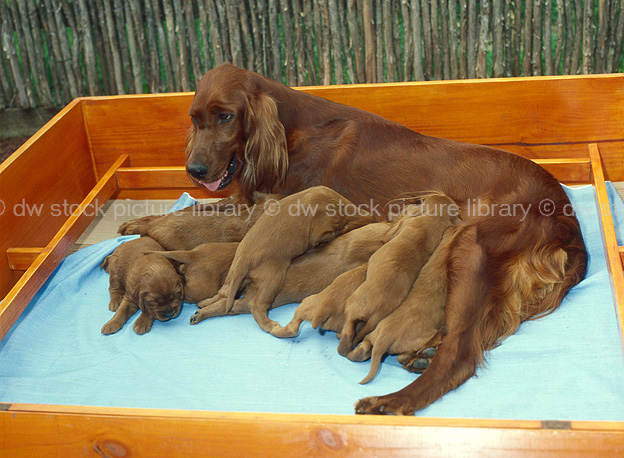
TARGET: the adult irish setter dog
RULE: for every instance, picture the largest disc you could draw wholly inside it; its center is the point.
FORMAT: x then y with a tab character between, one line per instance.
502	268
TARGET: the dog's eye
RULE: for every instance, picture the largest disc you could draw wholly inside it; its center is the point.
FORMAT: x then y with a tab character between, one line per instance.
195	121
222	118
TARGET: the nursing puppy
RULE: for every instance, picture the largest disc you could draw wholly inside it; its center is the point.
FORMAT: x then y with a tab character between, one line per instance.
325	309
304	220
393	269
414	323
204	268
308	274
146	282
223	221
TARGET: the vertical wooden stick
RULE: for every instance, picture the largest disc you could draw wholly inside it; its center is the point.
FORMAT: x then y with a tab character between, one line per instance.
369	42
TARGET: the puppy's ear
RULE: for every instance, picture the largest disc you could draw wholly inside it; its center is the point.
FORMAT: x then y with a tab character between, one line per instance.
266	151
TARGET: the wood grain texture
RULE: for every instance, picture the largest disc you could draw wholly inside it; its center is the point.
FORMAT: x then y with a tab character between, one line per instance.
85	431
27	286
22	258
609	238
51	172
516	114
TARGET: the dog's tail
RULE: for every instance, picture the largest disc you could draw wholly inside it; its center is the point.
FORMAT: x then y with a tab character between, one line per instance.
379	350
233	282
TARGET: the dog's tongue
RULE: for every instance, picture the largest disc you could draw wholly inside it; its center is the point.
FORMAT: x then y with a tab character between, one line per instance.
214	185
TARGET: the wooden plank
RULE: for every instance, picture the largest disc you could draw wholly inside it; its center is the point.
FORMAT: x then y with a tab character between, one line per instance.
21	258
27	286
511	113
241	435
567	170
180	434
52	171
609	239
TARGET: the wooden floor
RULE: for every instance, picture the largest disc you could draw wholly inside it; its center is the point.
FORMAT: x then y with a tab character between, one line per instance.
115	212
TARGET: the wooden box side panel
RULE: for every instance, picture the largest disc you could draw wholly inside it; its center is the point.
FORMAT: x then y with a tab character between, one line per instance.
536	117
39	185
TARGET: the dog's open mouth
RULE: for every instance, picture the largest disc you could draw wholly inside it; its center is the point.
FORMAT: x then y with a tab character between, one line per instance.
225	180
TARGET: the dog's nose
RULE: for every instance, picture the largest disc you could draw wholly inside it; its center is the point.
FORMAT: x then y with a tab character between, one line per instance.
170	314
197	170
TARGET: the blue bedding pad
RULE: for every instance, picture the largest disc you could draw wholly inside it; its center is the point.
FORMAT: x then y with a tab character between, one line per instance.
567	365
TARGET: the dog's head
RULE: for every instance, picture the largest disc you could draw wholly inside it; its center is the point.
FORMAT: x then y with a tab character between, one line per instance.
236	133
160	291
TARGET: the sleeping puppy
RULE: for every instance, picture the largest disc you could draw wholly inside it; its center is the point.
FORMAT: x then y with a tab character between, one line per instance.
393	269
146	282
325	309
206	266
304	220
223	221
413	325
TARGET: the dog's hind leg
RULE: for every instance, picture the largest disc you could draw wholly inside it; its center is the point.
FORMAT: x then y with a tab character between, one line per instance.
218	309
460	352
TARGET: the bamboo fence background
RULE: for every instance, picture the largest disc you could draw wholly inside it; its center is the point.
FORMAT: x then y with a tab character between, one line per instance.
54	50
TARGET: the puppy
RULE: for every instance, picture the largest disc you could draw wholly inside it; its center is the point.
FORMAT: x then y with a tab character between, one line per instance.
325	309
393	269
304	220
146	282
224	221
204	268
416	321
308	274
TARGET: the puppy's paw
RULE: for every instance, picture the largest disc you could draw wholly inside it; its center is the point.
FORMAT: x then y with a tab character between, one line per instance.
197	317
384	405
360	353
111	327
142	326
284	331
418	361
113	305
134	226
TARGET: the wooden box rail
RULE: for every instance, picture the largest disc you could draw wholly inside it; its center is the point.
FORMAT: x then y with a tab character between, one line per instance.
101	148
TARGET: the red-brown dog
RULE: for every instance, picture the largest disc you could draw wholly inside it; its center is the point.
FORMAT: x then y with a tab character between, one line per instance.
393	269
141	282
304	220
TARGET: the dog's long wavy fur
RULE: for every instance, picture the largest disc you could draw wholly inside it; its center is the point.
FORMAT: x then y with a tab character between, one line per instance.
502	270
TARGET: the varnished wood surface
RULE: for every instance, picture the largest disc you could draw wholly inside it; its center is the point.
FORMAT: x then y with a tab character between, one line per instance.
50	173
22	258
33	430
27	286
609	238
537	117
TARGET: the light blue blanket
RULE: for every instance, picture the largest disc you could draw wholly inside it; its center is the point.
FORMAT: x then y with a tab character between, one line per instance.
566	366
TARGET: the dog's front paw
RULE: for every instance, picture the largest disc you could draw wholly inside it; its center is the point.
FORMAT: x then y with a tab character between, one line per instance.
134	226
384	405
197	317
113	305
111	327
143	324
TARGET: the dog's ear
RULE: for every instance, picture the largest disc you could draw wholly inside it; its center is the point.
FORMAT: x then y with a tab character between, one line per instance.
266	151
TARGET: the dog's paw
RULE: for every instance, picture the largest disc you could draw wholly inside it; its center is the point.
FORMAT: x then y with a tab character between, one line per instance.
197	317
113	305
134	226
361	353
111	327
384	405
142	326
419	361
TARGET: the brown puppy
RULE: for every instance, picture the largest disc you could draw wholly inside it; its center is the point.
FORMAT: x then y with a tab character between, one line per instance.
325	309
308	274
393	269
223	221
419	317
204	268
145	282
303	221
